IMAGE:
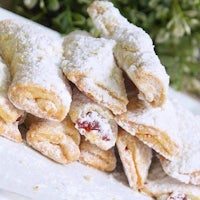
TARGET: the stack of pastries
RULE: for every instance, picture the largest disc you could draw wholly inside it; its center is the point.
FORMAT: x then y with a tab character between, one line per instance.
92	100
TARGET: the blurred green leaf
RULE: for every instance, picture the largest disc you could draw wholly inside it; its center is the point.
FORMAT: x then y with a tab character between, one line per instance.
53	5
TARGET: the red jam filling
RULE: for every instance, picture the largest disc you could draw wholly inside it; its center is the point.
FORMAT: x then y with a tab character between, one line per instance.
90	126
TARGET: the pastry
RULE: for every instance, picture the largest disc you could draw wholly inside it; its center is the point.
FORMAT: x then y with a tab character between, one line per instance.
134	52
93	156
93	121
186	166
89	63
135	157
162	186
58	141
34	57
156	127
9	114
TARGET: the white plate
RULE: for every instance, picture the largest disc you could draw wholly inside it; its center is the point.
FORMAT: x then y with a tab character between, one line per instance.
26	172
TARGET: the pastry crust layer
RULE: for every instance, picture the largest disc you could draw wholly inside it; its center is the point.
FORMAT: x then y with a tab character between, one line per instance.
134	52
34	57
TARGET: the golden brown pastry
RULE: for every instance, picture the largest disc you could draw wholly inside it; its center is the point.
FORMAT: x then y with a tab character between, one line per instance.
89	63
134	52
156	127
34	57
136	158
92	155
9	115
58	141
93	121
8	112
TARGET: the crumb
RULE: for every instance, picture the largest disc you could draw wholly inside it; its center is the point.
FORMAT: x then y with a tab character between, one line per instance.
87	177
36	187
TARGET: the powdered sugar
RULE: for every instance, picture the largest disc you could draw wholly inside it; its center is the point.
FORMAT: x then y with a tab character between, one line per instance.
134	51
112	24
93	121
159	184
186	166
4	78
90	64
140	114
98	124
4	82
7	111
35	63
86	53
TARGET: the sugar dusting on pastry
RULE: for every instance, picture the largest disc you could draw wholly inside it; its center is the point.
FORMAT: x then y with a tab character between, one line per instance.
149	125
35	65
8	112
162	186
134	52
89	63
34	58
42	57
93	120
4	78
9	115
136	158
186	167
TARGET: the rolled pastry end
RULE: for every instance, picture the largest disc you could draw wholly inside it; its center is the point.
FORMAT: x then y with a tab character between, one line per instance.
136	158
152	137
97	129
150	88
158	140
49	139
95	157
38	101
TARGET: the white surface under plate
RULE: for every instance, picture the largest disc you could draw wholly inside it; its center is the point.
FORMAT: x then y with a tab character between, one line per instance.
26	172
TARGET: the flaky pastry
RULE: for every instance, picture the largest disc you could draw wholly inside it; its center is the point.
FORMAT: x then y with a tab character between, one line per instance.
156	127
9	114
134	52
186	166
89	63
136	158
93	121
93	156
34	57
58	141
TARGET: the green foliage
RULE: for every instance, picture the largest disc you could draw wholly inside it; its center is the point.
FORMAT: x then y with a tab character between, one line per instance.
174	26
